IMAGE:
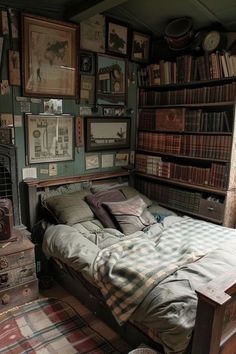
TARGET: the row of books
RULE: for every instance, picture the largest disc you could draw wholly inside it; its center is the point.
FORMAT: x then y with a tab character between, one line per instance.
188	68
192	120
206	94
213	176
203	146
173	197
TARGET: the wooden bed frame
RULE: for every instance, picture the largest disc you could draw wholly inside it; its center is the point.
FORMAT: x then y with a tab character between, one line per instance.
215	328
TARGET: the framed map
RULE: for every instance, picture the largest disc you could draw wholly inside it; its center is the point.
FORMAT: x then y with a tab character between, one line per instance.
49	57
49	138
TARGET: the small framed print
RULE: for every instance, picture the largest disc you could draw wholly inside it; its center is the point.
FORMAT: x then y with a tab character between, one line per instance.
49	138
116	37
87	63
108	111
87	89
14	68
92	34
140	48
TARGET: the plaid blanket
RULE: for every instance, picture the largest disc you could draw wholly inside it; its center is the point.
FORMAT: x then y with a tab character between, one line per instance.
128	270
49	326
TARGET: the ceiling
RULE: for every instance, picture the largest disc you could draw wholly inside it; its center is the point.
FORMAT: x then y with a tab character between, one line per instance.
146	15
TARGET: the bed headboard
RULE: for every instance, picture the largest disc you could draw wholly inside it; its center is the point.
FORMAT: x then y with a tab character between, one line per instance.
35	187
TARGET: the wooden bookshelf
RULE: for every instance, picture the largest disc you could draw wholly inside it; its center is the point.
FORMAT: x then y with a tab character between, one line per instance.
186	149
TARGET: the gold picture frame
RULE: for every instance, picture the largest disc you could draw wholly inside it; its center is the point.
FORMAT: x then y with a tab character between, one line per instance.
49	57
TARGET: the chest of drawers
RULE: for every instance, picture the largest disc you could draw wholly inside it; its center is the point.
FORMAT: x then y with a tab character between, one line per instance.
18	281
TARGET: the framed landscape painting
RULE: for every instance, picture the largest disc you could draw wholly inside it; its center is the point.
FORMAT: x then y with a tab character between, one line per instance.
49	57
116	38
107	134
140	47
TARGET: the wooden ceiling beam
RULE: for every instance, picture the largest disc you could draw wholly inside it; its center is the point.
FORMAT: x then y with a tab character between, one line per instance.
86	8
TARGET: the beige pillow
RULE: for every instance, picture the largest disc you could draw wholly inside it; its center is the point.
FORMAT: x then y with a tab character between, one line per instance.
69	208
131	215
131	192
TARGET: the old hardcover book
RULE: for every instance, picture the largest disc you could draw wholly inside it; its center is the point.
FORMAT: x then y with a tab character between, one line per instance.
170	119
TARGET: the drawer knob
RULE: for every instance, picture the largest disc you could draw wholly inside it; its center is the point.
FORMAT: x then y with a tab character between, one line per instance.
210	208
5	299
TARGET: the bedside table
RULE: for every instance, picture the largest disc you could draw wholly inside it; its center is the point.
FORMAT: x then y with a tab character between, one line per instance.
18	281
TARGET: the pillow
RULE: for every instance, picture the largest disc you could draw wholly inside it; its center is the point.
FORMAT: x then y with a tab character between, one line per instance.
69	208
95	202
132	214
160	212
131	192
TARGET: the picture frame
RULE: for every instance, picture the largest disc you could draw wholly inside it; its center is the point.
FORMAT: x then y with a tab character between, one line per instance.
14	67
108	111
49	57
87	63
117	34
49	138
107	134
87	89
92	34
140	47
111	83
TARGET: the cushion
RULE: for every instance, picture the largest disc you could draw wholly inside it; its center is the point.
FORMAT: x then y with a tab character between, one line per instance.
95	202
131	192
69	208
132	214
160	212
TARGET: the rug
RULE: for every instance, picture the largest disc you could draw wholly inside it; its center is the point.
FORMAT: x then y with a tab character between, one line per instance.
52	326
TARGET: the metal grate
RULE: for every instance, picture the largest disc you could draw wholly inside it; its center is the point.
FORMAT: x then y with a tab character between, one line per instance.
8	178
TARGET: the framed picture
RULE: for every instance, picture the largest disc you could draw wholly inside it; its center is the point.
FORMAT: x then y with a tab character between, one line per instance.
104	134
108	111
111	88
116	37
92	34
14	68
87	89
140	49
87	63
49	138
49	57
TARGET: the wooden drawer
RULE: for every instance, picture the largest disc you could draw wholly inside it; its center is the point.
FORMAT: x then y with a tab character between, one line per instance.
17	276
211	209
18	295
18	259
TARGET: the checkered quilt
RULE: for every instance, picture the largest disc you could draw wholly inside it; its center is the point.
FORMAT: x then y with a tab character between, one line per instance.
128	270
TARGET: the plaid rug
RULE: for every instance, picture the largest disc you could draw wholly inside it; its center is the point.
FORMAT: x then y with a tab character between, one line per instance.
52	326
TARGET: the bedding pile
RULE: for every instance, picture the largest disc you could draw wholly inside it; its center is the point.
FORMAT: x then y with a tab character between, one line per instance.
147	274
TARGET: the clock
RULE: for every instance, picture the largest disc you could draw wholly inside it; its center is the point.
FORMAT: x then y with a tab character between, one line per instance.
213	40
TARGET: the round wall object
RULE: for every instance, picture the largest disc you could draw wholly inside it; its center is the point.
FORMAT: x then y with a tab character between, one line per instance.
179	33
213	40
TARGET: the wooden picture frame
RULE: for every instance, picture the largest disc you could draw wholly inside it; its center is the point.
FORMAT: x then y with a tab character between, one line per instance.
87	63
107	134
92	34
49	57
116	37
87	89
111	83
140	47
49	138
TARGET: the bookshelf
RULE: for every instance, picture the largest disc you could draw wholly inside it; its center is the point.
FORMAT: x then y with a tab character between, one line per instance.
186	146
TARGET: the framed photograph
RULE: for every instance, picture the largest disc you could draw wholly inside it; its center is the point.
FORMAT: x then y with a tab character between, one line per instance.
92	34
49	57
140	49
108	111
104	134
111	88
87	63
116	37
53	106
14	68
87	89
49	138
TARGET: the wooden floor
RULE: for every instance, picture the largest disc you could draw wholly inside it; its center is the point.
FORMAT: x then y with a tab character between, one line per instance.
58	292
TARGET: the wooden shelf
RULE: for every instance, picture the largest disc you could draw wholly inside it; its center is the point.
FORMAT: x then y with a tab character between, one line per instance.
174	86
184	132
191	213
181	156
201	105
182	184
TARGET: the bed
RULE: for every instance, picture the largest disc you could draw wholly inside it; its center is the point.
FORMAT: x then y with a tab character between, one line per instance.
171	283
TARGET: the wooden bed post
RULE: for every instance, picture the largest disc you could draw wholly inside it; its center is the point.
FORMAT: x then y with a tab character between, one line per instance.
214	331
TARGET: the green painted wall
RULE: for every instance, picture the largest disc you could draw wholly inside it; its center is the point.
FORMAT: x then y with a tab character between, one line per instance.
9	104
